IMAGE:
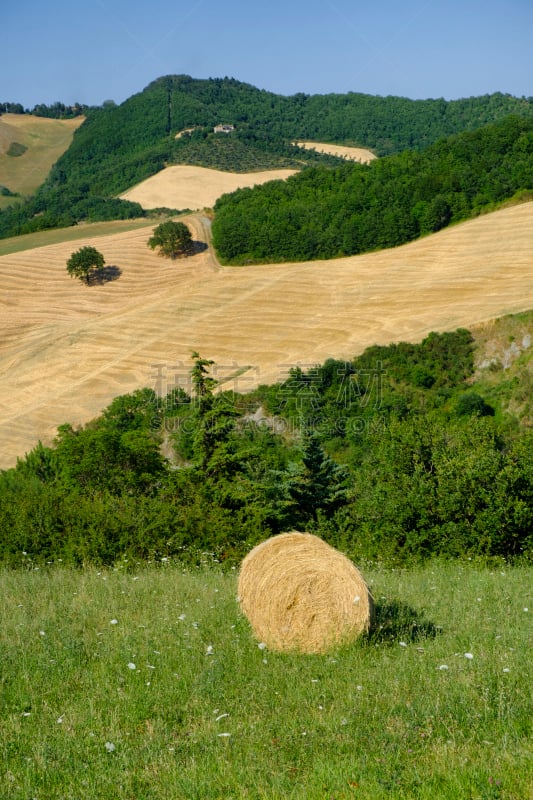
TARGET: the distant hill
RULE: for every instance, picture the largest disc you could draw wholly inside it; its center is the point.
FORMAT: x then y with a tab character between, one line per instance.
119	146
29	146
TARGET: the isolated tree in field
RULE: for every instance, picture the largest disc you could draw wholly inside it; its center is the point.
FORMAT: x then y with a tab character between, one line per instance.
83	261
173	239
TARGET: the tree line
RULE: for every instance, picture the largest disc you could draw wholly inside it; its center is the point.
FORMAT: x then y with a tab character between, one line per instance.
354	208
392	456
54	111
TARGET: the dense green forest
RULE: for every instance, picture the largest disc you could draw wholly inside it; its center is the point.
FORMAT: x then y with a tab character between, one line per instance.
326	213
400	454
118	146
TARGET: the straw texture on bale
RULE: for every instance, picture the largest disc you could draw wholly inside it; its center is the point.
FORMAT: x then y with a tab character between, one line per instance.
300	594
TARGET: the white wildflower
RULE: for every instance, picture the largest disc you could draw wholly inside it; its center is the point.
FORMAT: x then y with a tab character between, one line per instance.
209	650
113	621
403	644
469	656
262	646
131	665
110	747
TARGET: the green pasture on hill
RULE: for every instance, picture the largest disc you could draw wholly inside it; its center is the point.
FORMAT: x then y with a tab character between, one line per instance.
29	241
29	146
145	682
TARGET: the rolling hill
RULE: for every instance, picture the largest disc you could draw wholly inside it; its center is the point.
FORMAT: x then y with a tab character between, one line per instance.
67	349
118	147
41	142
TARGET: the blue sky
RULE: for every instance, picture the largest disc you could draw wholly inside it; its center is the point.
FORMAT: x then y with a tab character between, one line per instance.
96	50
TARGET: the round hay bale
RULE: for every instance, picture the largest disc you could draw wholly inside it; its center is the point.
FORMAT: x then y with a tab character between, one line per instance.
300	594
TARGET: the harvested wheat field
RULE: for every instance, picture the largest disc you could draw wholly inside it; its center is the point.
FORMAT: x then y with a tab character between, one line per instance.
342	151
44	139
67	349
186	187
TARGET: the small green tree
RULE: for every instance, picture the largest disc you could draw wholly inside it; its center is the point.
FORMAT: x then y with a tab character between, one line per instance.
83	261
173	239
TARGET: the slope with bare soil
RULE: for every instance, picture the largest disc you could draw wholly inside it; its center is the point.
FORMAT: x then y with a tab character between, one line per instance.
66	349
190	187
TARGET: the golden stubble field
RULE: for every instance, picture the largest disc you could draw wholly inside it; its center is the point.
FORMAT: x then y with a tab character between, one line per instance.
67	349
189	187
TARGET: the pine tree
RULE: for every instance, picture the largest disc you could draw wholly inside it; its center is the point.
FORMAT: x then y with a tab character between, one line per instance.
319	483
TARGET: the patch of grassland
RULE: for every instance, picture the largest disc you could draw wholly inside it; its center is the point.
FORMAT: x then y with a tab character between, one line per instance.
37	143
29	241
148	684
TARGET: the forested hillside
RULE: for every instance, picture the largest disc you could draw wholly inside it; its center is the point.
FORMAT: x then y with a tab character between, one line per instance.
400	454
327	213
118	146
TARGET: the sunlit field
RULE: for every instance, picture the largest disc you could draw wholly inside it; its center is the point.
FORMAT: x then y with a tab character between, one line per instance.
145	682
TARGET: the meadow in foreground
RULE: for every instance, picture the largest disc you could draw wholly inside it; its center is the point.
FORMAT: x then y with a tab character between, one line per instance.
147	683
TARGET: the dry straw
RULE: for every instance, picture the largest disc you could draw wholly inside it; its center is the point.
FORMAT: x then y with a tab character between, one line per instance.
300	594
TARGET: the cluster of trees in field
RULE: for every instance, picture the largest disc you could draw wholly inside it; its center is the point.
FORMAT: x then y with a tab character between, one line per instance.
392	456
119	146
326	213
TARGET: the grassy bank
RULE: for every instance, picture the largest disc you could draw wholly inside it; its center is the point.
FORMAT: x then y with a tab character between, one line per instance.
148	684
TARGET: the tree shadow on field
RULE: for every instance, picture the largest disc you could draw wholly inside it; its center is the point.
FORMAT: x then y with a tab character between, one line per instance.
395	620
104	275
198	247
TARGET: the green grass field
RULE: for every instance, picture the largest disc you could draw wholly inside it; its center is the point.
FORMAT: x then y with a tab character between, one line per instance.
147	684
40	142
29	241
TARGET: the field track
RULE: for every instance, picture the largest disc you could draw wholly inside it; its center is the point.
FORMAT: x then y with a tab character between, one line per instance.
67	349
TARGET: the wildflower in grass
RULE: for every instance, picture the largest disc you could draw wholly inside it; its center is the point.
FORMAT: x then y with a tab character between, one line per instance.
443	666
181	617
403	644
209	650
113	621
469	656
506	669
262	646
131	665
110	747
